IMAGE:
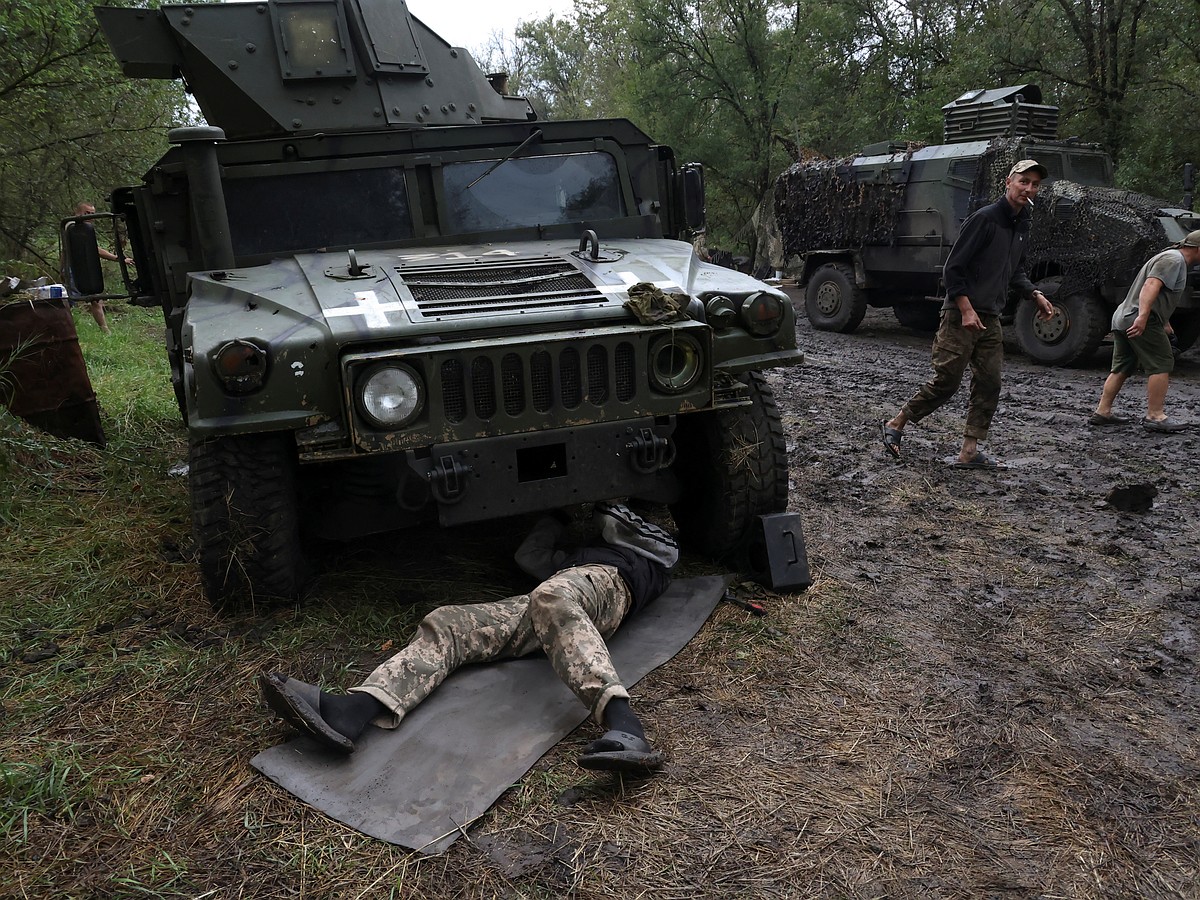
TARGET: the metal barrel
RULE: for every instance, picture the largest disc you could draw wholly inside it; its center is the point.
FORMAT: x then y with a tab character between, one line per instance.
43	378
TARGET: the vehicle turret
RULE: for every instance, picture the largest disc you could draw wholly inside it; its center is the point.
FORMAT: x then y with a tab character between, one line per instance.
306	66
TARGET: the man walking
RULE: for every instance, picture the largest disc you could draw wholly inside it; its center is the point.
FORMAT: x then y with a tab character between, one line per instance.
987	259
583	597
1141	335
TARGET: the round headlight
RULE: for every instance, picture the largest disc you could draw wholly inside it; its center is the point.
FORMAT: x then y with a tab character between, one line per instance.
762	314
720	312
391	396
676	362
241	366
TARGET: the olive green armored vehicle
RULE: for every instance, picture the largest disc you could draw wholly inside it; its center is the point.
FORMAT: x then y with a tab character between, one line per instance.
394	297
874	230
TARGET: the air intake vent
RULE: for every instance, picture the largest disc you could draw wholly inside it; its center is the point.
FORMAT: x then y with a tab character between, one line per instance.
492	288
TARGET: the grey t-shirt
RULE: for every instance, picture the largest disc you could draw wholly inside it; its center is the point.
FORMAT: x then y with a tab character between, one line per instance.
1172	271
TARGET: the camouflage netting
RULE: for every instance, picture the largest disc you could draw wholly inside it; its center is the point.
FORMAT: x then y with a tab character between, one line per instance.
819	206
1087	235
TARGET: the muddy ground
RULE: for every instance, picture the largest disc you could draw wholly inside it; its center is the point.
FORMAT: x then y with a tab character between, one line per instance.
1032	648
990	689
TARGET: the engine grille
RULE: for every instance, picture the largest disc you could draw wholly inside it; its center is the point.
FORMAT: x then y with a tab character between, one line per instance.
559	378
489	288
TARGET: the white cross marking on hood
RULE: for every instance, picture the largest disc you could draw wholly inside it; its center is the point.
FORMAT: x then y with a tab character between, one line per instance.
368	305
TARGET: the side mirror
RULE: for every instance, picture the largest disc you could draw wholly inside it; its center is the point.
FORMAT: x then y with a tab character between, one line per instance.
692	176
82	256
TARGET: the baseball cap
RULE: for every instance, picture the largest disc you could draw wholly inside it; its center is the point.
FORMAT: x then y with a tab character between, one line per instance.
622	527
1192	240
1025	165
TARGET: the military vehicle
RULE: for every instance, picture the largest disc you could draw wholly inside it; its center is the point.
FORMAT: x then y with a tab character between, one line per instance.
392	296
875	229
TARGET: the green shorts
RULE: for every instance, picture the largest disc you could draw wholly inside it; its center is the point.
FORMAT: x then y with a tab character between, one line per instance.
1151	350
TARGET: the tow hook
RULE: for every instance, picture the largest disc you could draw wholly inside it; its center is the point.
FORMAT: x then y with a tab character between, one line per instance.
448	479
649	452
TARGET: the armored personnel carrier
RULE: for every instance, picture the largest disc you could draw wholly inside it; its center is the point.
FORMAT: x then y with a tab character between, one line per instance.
875	229
392	296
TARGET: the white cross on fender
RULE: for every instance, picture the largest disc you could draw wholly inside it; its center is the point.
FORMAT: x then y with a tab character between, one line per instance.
368	305
629	280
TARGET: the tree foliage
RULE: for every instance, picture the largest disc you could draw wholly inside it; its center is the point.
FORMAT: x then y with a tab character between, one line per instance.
71	126
745	86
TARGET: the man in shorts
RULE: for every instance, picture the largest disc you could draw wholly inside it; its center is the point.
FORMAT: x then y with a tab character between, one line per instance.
1141	335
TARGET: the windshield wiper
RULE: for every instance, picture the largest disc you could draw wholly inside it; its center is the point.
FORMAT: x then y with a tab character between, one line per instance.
517	149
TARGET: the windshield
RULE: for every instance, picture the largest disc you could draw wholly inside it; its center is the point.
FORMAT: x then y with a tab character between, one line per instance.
527	192
289	213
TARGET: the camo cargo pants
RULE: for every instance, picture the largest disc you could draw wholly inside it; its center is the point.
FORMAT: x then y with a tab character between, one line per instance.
568	616
953	348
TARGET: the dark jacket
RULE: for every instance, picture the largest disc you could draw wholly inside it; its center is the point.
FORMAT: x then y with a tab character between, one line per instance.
989	258
540	555
646	579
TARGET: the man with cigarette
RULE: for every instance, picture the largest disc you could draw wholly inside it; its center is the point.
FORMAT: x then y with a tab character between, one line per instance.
985	262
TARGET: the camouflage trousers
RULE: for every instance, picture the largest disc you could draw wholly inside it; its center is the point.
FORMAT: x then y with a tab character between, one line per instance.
568	616
954	348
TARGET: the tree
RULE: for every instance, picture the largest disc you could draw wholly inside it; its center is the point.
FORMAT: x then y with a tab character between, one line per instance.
70	125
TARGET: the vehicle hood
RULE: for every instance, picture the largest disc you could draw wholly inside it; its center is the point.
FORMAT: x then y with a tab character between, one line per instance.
425	292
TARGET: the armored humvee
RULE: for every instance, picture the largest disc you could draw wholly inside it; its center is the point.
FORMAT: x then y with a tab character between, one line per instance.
875	229
392	296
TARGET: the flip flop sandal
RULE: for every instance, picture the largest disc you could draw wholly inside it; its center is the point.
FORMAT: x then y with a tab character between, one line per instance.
980	461
891	439
299	704
619	751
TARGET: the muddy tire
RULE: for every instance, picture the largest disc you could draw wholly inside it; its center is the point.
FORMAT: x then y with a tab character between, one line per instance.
1186	323
245	520
733	467
1072	336
833	301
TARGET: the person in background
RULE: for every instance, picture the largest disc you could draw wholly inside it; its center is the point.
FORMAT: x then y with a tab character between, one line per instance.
1142	335
987	259
96	307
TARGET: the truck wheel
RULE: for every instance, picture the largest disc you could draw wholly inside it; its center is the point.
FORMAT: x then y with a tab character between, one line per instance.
1186	323
732	467
245	520
1079	325
833	301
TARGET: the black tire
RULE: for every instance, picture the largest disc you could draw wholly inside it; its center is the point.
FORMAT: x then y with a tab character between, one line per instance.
733	467
245	520
1186	323
833	301
1072	336
919	315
